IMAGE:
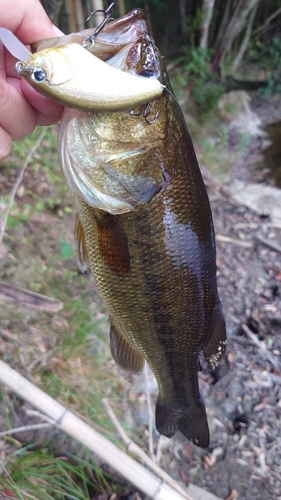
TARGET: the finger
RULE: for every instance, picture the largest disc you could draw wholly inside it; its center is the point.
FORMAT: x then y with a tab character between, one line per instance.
5	144
27	20
17	118
48	112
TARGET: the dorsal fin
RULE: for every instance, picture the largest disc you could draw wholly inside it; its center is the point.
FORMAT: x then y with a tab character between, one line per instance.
113	243
80	245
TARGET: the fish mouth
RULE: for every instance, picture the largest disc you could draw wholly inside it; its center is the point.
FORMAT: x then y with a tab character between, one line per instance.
115	35
126	29
134	50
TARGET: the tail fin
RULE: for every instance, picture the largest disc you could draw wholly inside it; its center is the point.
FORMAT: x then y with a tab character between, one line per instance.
191	421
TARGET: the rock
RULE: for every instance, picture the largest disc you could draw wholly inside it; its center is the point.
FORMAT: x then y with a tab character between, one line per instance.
264	200
200	494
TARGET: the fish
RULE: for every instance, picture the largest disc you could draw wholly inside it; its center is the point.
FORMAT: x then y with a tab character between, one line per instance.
144	228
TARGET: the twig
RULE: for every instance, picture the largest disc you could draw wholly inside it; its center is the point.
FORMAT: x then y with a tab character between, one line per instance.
7	208
25	428
133	471
269	244
245	41
268	21
10	336
35	413
150	415
158	450
235	241
43	357
260	345
144	458
34	299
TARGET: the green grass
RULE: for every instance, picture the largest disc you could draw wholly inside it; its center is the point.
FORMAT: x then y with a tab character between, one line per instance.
41	475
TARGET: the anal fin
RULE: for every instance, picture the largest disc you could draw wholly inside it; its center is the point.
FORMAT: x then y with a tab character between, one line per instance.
80	244
124	354
215	346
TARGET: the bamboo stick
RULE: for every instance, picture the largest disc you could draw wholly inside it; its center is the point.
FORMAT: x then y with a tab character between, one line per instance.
134	449
75	427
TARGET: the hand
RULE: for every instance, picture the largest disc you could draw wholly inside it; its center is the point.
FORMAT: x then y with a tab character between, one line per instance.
21	107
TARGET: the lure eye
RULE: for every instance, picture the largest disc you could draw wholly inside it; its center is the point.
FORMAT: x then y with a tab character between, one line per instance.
39	75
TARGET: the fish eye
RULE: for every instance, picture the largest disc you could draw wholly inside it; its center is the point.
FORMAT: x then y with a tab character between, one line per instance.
39	75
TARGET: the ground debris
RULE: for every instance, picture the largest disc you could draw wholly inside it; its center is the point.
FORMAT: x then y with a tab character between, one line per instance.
30	298
233	495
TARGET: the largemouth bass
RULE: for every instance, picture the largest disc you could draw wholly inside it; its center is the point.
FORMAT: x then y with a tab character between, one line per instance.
144	227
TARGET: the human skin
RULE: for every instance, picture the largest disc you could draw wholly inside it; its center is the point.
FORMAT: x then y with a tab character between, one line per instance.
21	107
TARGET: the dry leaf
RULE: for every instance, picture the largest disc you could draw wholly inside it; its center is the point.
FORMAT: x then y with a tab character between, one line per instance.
208	461
233	495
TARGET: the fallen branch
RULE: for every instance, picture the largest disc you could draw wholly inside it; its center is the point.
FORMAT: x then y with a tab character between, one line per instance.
134	472
8	206
235	241
144	458
269	244
25	428
42	302
260	345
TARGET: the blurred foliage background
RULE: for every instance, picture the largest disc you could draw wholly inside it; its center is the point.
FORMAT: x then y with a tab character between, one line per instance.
210	43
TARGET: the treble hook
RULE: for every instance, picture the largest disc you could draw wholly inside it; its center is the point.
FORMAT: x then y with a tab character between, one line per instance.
88	42
145	112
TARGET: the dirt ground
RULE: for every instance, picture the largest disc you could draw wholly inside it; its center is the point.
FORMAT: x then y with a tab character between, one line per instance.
243	396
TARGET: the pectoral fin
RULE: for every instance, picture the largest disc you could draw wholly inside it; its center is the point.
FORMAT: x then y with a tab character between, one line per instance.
113	243
142	188
124	354
80	244
215	346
